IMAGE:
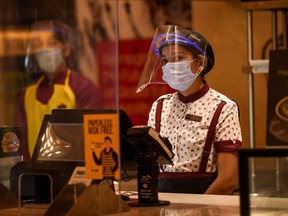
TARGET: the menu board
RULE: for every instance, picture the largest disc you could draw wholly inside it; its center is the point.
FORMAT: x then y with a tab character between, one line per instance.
277	110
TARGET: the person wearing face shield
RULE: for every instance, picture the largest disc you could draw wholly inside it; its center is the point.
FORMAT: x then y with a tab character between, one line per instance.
201	123
57	85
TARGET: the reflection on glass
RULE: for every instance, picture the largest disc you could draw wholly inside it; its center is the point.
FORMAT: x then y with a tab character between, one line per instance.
268	185
52	144
62	142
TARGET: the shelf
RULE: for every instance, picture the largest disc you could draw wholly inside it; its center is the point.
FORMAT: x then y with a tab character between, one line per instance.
264	5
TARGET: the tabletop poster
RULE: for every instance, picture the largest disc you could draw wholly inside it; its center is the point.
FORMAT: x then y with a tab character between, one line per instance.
277	110
101	138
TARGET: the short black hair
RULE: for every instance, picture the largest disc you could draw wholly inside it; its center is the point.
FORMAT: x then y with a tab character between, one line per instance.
202	43
61	31
107	138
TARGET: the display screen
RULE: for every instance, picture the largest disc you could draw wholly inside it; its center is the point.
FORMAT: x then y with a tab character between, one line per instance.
61	142
61	138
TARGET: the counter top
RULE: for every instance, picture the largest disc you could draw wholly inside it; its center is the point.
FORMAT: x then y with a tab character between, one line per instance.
180	204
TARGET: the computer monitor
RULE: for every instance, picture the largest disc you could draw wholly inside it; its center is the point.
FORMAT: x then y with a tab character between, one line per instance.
60	141
64	126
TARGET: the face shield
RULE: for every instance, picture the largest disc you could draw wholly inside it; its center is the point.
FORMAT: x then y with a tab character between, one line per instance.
171	37
45	35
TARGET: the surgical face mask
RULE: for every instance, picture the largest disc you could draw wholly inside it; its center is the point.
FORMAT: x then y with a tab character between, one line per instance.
179	75
49	59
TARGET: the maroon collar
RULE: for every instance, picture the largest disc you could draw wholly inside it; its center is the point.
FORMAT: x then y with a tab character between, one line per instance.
58	79
195	96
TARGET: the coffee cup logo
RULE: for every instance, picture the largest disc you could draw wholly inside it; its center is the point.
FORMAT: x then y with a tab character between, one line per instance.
281	109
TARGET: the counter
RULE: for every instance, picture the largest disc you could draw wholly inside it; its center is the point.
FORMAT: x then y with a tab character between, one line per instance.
181	204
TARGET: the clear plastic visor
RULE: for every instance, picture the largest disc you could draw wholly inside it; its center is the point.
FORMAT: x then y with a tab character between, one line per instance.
43	38
173	36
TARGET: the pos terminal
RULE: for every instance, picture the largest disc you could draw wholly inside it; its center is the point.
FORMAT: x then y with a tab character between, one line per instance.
150	151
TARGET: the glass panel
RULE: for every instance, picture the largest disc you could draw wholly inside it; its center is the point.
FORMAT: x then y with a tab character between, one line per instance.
268	184
38	39
90	54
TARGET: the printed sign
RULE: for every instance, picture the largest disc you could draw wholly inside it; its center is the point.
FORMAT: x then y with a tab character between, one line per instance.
78	176
11	142
101	137
277	110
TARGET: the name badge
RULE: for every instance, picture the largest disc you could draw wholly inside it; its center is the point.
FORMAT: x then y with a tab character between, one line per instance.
191	117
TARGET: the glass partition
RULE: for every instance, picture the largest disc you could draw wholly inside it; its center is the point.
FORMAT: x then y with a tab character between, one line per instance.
263	178
93	50
54	55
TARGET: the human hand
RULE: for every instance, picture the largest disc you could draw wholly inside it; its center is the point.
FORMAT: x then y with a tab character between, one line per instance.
92	145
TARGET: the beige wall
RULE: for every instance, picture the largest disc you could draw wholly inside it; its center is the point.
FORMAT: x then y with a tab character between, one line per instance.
224	25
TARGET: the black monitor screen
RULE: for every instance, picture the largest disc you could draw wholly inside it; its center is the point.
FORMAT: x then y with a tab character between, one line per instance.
61	138
61	142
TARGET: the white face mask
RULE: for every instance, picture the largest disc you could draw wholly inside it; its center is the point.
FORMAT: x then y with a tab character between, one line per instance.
179	75
49	59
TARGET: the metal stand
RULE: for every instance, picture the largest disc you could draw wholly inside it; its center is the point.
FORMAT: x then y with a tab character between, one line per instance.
148	174
20	186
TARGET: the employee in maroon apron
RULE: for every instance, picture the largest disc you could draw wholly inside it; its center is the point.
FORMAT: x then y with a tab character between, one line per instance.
201	123
58	86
